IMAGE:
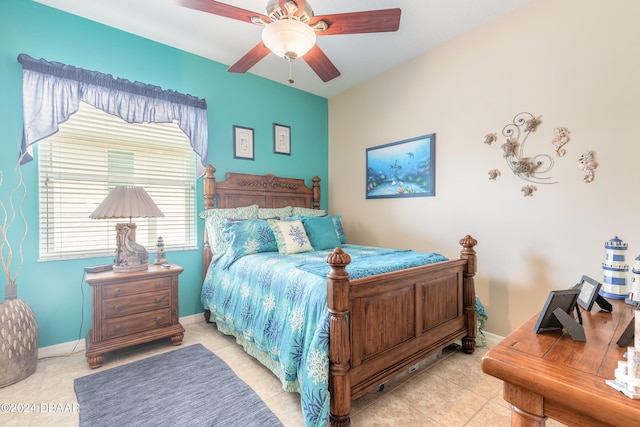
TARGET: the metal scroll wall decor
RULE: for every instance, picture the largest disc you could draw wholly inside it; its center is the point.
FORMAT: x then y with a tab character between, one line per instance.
536	168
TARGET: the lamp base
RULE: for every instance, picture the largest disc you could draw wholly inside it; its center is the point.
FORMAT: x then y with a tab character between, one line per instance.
130	268
130	255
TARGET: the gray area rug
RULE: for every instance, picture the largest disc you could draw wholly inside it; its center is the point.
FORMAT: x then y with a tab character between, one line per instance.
190	386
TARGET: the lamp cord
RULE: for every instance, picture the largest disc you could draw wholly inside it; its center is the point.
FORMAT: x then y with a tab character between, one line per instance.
84	275
81	323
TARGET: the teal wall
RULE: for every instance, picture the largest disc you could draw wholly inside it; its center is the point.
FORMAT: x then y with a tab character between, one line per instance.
54	290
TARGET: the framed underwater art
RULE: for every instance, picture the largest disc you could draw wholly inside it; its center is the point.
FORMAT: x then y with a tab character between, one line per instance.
402	169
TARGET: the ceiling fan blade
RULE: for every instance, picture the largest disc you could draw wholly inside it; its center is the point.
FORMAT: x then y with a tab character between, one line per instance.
321	64
371	21
251	58
220	9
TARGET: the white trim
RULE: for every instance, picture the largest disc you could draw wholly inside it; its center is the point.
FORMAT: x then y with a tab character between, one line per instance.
190	320
67	348
492	339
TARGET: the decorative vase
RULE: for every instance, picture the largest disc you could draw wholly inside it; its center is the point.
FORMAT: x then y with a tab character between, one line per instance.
18	338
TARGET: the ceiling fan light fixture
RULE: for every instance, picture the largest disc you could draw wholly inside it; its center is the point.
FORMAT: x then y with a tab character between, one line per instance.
288	38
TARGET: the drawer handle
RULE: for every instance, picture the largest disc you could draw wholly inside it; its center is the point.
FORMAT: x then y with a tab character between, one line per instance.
119	328
119	307
159	319
159	300
158	285
118	291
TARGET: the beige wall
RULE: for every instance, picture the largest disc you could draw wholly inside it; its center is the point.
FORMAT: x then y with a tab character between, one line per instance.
575	63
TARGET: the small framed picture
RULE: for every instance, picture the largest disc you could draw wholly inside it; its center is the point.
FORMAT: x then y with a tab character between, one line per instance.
589	289
281	139
565	300
242	143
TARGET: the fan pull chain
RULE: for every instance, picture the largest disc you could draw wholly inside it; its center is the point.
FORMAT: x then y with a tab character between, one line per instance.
291	81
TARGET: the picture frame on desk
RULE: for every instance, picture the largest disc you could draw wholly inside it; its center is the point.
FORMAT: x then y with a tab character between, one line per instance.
590	294
589	289
565	300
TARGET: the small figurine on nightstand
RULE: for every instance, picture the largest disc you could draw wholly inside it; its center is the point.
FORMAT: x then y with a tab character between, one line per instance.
161	256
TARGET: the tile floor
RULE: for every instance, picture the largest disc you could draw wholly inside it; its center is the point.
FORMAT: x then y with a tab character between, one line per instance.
451	391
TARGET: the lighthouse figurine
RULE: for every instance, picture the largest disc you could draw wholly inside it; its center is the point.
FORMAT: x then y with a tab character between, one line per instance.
161	256
634	288
615	270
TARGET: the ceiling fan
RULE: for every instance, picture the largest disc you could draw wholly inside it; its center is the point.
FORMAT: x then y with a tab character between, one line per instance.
290	30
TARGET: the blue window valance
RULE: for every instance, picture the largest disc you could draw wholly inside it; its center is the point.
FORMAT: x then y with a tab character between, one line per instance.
51	93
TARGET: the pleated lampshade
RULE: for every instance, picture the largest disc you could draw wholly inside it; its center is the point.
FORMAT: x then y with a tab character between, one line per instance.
126	201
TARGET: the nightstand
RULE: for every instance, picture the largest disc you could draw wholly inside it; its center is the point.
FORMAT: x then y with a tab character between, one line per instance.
132	308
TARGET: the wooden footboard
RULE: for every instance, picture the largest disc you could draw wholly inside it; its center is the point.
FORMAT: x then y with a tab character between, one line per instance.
383	324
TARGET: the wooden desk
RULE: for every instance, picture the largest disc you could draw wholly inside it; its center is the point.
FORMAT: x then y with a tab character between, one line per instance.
550	375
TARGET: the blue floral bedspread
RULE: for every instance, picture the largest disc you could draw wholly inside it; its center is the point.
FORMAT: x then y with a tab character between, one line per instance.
276	307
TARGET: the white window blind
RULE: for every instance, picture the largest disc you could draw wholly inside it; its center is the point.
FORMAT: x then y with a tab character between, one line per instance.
91	154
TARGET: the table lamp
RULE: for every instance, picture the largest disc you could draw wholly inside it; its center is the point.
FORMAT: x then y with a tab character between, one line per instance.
127	201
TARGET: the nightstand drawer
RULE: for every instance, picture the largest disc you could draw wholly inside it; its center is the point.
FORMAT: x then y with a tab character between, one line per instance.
137	287
136	323
118	307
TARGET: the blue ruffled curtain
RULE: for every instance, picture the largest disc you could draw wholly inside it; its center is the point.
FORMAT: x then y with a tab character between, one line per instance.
51	93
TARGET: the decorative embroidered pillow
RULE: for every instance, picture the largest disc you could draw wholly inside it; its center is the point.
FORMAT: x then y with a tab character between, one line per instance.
321	232
247	237
215	222
307	212
266	213
290	236
337	223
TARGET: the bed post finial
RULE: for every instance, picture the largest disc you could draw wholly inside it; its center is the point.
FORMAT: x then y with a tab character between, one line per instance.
339	351
469	292
316	192
209	186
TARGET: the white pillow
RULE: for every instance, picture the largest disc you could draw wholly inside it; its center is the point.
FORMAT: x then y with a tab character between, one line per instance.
290	236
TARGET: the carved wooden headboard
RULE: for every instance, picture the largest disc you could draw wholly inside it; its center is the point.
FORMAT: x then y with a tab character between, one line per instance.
267	191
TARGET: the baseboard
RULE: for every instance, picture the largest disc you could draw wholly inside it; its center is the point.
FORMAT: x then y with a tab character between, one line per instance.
77	346
71	347
190	320
492	339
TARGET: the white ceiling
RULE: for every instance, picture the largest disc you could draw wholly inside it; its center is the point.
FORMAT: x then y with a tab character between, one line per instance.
424	24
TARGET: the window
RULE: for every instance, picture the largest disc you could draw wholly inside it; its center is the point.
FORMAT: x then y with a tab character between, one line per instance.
91	154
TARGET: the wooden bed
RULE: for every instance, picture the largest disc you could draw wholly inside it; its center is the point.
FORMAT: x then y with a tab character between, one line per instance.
380	325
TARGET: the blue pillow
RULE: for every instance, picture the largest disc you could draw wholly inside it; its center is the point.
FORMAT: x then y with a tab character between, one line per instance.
337	223
245	238
321	232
